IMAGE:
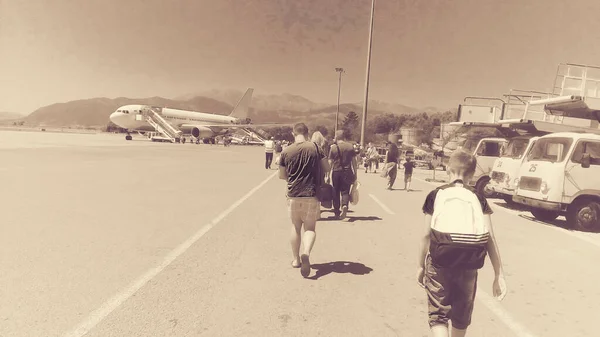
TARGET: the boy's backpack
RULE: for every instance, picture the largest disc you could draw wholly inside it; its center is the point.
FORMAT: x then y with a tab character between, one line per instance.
459	232
278	148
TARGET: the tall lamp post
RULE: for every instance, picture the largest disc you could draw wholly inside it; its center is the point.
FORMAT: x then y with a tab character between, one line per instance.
364	116
340	71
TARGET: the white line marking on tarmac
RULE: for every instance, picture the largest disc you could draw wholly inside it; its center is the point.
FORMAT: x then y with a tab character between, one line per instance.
109	306
385	208
492	304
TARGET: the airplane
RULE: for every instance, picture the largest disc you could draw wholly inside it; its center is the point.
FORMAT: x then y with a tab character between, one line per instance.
174	123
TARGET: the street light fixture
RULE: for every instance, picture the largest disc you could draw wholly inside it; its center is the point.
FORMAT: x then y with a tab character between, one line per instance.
364	116
340	71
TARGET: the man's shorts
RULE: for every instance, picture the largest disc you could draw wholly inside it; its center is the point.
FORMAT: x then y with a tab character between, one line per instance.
304	210
407	178
451	295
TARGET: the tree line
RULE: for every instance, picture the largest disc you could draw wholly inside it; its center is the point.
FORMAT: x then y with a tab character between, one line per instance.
378	127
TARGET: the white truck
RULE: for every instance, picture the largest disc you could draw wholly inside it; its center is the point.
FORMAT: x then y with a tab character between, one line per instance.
486	151
503	177
561	173
561	176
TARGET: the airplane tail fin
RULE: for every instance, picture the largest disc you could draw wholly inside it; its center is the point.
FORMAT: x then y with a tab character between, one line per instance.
242	108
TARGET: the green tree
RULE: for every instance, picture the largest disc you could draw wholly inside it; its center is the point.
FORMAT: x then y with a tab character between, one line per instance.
281	133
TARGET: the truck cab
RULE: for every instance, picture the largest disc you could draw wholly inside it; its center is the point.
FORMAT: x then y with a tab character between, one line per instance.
561	176
486	151
506	168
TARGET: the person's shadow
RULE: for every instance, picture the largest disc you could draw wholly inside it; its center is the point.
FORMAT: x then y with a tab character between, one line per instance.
340	267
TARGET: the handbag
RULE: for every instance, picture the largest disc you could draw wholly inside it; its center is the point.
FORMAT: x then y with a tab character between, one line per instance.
354	195
387	168
347	174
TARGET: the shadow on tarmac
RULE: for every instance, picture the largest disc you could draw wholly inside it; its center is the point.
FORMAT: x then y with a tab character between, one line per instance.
339	267
351	218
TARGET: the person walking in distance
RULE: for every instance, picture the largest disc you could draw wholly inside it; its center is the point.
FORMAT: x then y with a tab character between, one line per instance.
408	171
269	148
319	139
458	236
342	159
301	164
391	164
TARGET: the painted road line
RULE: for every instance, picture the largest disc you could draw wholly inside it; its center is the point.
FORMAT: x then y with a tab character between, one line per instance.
381	204
113	303
493	305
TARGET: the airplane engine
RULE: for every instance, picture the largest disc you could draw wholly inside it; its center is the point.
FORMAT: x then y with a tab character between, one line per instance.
202	132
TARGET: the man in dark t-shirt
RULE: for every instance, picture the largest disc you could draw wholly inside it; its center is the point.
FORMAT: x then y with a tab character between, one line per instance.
301	164
342	158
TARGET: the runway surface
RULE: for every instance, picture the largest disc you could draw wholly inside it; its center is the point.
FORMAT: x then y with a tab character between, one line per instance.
103	237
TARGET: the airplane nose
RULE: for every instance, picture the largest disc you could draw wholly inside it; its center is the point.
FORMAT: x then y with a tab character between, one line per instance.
113	116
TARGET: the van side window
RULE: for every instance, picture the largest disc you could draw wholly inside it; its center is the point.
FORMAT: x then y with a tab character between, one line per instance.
593	148
489	149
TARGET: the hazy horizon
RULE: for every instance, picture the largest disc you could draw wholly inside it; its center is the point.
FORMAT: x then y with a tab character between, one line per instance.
424	53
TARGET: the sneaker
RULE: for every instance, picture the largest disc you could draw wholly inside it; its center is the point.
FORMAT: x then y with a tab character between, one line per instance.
344	211
305	266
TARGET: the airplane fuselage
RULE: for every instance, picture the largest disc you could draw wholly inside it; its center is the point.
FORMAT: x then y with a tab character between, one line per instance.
130	117
137	117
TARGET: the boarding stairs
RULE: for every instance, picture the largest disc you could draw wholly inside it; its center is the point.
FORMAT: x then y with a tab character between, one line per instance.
161	125
254	135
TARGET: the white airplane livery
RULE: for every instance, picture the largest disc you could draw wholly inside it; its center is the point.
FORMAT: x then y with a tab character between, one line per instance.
173	123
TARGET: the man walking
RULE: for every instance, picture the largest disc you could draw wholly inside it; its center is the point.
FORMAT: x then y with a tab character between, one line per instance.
342	159
269	148
300	164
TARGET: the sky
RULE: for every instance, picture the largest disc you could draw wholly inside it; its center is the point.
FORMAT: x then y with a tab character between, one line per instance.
425	53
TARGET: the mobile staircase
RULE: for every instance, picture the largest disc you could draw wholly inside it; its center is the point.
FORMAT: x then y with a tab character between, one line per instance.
166	130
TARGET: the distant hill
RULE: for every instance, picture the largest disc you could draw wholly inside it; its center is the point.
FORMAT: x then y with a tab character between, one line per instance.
7	116
284	108
261	102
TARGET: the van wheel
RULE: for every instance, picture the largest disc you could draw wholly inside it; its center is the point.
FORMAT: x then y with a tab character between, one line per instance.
480	187
584	215
544	214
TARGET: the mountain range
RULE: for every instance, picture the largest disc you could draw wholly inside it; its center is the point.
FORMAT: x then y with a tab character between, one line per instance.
9	116
283	108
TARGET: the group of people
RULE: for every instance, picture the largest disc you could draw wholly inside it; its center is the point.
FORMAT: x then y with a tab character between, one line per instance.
391	163
458	234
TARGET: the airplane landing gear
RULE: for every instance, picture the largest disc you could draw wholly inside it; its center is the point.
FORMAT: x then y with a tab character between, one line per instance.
128	137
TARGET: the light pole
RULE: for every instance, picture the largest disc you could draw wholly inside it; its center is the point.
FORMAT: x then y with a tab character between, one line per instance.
340	71
364	116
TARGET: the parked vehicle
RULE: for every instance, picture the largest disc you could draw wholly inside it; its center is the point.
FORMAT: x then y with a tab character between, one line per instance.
561	176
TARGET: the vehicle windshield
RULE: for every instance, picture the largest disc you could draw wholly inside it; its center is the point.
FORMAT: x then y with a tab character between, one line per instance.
550	149
470	144
515	148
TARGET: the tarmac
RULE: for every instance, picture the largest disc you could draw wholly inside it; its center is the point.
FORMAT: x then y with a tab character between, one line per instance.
107	237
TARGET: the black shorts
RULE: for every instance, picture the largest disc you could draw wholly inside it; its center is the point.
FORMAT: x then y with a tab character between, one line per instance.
451	295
